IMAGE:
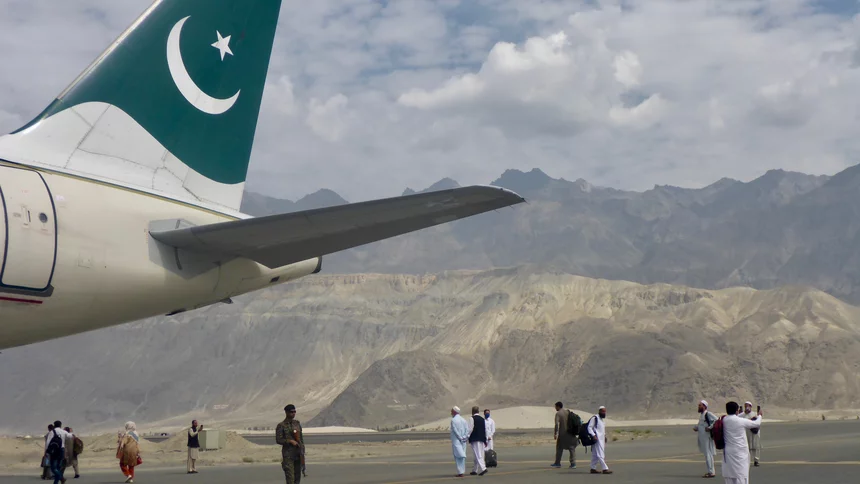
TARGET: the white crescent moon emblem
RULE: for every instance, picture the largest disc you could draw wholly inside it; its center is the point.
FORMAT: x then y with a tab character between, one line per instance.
185	84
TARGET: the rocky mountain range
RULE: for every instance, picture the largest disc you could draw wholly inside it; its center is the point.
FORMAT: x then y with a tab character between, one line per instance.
386	350
780	229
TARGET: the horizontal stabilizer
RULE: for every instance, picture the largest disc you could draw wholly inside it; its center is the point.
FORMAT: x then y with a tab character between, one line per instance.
278	240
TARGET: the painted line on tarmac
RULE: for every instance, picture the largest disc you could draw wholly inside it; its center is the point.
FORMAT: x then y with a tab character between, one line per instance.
660	460
850	438
777	462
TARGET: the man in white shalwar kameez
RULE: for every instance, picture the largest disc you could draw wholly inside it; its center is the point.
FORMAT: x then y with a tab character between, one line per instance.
478	441
459	438
597	430
706	443
753	438
736	455
491	428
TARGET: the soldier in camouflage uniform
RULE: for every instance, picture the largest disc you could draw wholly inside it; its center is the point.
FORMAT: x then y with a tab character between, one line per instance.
291	439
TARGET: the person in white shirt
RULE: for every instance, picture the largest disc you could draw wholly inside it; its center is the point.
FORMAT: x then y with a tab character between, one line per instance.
706	443
57	453
491	428
597	430
753	435
193	446
459	439
71	457
736	455
478	441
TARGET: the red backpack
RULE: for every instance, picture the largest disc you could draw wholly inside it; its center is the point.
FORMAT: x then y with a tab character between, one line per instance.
717	434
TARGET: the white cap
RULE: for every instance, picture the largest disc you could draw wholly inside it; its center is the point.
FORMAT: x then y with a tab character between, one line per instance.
601	408
703	402
748	403
456	409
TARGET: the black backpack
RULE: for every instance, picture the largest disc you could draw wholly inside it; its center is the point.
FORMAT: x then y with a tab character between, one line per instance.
574	423
55	446
584	438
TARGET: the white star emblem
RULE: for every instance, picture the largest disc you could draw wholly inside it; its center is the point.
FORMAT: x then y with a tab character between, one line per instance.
223	45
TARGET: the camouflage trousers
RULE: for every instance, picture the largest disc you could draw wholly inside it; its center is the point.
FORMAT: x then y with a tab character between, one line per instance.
292	470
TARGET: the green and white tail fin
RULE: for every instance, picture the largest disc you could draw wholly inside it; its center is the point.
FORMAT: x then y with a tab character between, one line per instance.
170	107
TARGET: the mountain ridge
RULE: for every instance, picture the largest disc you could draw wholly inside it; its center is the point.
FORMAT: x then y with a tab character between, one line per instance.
373	350
779	229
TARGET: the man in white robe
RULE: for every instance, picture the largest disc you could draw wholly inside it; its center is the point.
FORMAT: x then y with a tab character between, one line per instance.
597	430
706	443
478	441
736	455
459	437
491	428
753	438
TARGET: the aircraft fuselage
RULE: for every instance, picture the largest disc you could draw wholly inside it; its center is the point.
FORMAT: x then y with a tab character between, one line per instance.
76	255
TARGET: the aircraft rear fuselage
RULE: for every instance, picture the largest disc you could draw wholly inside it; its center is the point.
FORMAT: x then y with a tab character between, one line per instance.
76	255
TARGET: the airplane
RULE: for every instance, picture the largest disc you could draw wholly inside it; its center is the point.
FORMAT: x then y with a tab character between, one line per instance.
120	201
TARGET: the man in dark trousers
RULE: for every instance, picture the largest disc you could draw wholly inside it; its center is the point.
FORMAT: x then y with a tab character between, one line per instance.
563	439
292	441
193	446
478	440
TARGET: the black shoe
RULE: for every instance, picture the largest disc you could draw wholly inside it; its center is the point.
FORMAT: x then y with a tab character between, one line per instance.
756	464
481	474
473	473
77	476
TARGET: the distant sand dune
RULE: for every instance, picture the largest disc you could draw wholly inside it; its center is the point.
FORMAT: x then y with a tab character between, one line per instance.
530	417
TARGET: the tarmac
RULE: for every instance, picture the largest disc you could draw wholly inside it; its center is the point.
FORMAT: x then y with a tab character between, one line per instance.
809	452
319	439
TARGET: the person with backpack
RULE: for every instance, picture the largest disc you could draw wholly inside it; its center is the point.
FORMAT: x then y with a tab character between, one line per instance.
596	430
566	431
55	449
736	455
71	448
753	435
706	443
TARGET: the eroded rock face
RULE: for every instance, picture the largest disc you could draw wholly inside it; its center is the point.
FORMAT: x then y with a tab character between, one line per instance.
385	350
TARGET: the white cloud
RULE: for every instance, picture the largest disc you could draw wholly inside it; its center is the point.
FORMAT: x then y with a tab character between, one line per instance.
628	69
328	119
640	116
459	89
279	95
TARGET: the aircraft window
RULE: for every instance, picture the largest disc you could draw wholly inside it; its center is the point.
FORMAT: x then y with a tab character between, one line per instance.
43	218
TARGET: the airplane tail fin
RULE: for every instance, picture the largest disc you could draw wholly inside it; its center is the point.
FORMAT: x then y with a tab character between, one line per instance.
170	107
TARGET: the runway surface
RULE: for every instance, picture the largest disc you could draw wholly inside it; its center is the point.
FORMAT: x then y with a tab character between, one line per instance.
813	452
318	439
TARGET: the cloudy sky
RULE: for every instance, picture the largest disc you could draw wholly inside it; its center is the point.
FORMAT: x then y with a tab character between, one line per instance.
368	97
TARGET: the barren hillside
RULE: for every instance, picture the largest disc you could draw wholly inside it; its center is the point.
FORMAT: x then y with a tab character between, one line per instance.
385	350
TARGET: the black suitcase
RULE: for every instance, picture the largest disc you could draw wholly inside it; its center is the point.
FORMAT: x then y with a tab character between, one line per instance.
491	459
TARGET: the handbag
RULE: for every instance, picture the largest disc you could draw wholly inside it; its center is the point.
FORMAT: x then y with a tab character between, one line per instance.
139	460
